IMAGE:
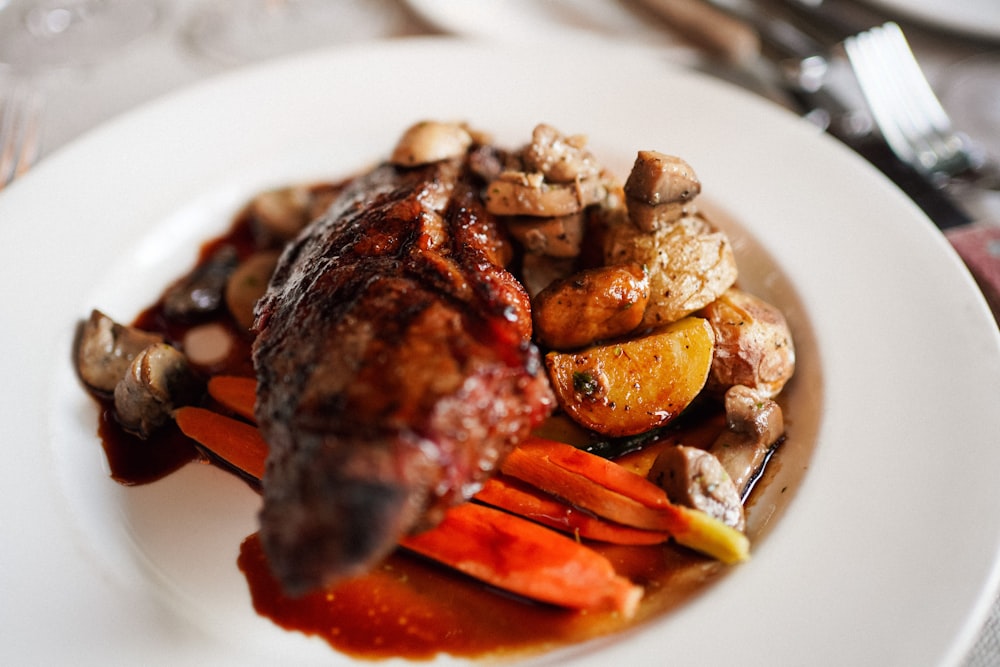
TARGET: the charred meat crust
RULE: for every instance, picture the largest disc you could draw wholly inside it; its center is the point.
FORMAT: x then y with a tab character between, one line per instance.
394	368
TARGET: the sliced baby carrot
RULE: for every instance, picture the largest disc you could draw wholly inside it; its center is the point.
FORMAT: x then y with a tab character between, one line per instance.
235	393
613	492
233	441
525	558
533	463
531	503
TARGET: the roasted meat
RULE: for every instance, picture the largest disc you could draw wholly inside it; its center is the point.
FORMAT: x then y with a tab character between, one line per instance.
395	369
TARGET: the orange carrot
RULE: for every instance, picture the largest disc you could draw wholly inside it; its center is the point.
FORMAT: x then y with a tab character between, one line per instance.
233	441
235	393
613	492
590	482
525	558
508	494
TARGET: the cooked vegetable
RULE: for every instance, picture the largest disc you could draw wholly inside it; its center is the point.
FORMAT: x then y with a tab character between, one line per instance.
247	284
158	379
658	189
520	193
630	387
528	501
561	159
754	425
595	304
235	393
104	349
517	555
233	441
431	141
200	293
694	478
613	492
559	236
753	344
690	264
278	215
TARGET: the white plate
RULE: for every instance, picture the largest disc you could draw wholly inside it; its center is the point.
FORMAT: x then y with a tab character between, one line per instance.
887	554
979	18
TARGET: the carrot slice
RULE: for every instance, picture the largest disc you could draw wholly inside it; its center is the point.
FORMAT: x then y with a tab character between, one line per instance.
235	393
525	558
616	493
531	503
538	463
233	441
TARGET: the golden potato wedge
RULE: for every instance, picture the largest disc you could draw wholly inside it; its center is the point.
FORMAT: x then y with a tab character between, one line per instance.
630	387
595	304
754	345
690	264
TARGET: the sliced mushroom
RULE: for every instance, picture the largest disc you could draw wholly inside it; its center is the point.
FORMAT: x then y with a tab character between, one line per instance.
556	237
201	291
695	478
561	159
247	284
657	178
104	350
754	425
520	193
540	271
279	215
658	189
158	380
431	141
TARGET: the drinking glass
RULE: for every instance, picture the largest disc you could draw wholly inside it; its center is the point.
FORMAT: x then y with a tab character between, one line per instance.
40	34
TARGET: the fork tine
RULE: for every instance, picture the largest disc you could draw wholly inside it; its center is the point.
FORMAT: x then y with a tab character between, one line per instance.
869	69
925	110
20	114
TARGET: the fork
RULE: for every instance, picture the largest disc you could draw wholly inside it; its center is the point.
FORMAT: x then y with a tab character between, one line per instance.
20	123
907	112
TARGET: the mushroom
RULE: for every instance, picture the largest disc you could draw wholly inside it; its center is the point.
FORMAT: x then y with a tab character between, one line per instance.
754	426
695	478
559	158
279	215
201	291
559	236
431	141
658	189
247	284
157	380
104	349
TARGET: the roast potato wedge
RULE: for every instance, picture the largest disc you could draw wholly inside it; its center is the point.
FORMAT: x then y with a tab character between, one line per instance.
754	345
594	304
690	264
626	388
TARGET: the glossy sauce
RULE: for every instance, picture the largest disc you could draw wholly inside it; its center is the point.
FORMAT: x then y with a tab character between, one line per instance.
408	607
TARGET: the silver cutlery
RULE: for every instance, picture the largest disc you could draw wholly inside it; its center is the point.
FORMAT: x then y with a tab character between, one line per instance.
908	113
802	59
20	130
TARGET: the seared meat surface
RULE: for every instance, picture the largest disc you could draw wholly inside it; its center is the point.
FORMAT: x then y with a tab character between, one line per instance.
395	370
